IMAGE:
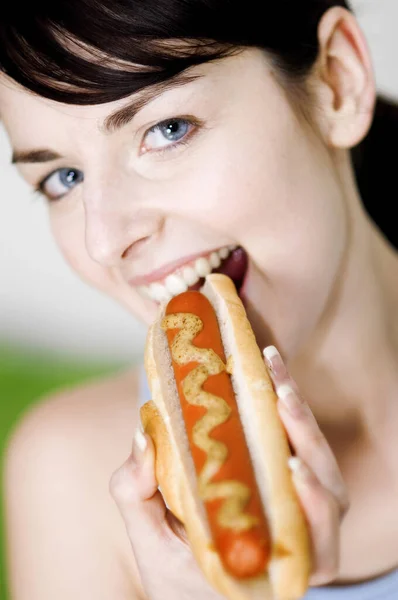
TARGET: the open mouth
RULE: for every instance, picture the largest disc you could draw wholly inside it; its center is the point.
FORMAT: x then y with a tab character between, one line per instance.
231	261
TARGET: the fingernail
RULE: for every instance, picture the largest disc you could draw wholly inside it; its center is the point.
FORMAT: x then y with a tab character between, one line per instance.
290	400
139	445
299	469
275	363
270	352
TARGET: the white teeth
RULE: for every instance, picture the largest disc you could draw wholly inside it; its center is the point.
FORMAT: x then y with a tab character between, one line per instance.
176	285
223	253
158	292
214	260
202	267
190	276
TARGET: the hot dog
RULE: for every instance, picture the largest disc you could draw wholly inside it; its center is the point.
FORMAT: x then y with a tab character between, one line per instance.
226	480
221	451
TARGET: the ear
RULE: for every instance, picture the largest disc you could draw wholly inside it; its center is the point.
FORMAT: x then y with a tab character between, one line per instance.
345	81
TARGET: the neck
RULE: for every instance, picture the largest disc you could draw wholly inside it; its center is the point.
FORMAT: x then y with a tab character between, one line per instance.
348	370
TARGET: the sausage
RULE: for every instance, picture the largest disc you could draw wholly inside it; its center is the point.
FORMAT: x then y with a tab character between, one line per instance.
225	475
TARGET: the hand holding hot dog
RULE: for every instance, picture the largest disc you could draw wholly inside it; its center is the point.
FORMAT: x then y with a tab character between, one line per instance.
316	474
167	568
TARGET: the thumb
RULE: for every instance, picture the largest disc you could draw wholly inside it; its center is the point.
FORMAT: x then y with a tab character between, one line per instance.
135	490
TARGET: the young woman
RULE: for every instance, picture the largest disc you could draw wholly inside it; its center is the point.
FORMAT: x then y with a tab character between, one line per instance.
167	136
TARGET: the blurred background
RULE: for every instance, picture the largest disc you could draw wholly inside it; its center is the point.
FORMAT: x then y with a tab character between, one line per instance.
56	331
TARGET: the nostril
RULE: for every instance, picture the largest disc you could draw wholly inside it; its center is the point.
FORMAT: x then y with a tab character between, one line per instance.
135	246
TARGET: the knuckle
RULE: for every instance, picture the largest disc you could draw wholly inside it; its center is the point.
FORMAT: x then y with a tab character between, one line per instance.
321	515
344	505
325	574
327	570
317	439
325	512
122	486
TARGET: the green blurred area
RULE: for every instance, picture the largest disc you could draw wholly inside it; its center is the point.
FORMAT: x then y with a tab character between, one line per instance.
25	377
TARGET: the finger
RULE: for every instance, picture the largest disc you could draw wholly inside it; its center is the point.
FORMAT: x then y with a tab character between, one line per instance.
322	515
135	491
277	368
303	431
310	444
134	488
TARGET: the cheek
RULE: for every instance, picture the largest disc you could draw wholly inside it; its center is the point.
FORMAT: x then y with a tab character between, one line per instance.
272	188
295	228
276	191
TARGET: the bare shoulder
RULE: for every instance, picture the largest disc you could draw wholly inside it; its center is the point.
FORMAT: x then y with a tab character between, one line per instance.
65	537
90	426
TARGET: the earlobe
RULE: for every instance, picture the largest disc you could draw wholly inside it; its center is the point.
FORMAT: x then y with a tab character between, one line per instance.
347	88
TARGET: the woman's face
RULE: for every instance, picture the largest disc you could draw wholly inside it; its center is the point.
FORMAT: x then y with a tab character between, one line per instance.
223	160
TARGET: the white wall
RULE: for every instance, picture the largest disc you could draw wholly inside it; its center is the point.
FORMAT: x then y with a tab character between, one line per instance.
379	19
43	304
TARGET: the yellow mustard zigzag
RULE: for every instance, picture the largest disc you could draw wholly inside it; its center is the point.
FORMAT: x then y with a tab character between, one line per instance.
236	494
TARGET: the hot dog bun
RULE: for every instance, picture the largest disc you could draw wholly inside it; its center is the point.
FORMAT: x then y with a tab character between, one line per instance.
289	566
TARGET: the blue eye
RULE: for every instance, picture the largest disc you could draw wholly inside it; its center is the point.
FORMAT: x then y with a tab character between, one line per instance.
173	131
60	182
167	133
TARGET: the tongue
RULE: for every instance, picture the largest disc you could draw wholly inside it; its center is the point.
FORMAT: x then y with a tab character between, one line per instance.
235	266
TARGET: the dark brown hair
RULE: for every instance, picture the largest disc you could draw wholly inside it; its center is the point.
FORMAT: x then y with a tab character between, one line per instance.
96	51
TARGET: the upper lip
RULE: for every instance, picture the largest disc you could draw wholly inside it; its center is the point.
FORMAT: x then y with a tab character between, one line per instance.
162	272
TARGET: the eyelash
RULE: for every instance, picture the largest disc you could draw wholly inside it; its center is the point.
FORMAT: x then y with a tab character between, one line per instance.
162	151
196	124
38	190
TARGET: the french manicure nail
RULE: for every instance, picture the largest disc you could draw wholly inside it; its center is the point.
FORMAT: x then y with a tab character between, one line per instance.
299	469
275	363
139	445
270	352
290	400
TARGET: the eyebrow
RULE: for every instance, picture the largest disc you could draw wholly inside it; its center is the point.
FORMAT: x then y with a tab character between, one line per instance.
124	115
113	122
34	156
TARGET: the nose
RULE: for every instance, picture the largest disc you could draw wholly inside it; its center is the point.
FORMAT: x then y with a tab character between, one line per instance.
114	230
